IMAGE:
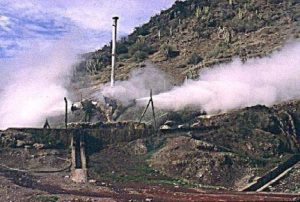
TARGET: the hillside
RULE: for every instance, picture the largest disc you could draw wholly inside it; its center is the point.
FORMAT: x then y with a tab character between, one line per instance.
192	154
195	34
181	40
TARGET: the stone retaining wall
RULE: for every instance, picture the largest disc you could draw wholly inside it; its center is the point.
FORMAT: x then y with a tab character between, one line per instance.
94	134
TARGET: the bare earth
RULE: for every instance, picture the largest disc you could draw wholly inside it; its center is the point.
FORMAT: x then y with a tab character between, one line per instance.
18	186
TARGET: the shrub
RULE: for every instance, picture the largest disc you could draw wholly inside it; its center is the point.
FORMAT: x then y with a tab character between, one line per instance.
139	46
194	59
169	51
218	50
142	31
140	55
124	56
121	48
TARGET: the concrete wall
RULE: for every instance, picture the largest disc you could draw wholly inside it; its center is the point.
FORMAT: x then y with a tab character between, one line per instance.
272	174
95	135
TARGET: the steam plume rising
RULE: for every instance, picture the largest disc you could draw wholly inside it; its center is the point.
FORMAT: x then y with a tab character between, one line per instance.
36	85
138	85
236	85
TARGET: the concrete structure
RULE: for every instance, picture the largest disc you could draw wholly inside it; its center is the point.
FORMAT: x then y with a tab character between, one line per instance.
78	156
113	51
95	135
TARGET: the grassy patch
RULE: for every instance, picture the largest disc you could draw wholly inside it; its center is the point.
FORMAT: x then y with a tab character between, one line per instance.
44	198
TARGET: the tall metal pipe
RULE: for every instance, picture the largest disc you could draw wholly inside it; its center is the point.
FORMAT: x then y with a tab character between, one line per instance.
113	51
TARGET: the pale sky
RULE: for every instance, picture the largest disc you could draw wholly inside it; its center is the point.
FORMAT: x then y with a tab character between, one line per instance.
88	22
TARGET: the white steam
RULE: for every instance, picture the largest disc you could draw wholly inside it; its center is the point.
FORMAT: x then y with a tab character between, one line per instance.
236	85
138	85
36	85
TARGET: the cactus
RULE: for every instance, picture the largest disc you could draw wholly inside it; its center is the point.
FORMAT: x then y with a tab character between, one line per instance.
227	36
240	13
206	10
198	12
159	34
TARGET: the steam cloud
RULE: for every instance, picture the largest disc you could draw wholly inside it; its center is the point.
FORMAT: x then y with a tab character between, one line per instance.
36	85
225	87
138	85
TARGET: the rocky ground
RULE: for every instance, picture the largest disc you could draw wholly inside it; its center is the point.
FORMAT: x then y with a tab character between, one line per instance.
20	186
181	165
223	151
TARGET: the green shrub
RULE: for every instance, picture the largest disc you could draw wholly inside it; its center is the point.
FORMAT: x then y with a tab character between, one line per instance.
139	46
194	59
143	31
124	56
218	50
121	48
140	55
169	51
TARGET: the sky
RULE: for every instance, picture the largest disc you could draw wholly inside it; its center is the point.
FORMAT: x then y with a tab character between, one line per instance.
27	23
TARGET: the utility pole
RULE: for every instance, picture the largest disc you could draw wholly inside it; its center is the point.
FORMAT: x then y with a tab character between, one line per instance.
113	51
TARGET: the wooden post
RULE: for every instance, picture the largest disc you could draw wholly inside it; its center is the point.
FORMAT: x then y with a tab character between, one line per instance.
153	112
66	113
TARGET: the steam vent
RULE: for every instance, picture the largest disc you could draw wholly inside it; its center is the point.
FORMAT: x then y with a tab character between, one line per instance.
198	102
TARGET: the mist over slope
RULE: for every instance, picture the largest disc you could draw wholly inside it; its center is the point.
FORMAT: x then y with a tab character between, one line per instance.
235	85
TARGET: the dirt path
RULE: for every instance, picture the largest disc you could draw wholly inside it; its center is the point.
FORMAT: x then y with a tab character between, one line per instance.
18	186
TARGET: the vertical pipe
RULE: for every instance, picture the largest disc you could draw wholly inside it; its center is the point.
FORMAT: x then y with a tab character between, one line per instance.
66	112
113	51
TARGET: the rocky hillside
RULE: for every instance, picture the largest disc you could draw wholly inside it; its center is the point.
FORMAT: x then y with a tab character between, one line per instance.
231	152
194	34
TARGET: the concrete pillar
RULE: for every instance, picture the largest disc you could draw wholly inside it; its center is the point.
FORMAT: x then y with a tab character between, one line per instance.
82	152
73	152
78	172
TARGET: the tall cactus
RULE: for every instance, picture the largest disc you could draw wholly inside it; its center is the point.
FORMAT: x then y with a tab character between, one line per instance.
206	10
227	36
240	13
159	34
198	12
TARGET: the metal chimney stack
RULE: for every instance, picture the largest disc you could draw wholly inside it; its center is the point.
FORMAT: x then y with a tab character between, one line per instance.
113	51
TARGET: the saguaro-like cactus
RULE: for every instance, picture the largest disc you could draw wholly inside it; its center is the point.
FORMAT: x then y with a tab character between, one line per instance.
198	12
206	10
